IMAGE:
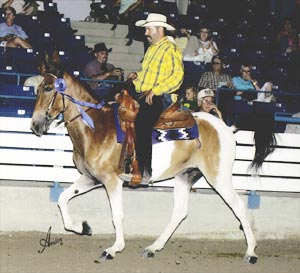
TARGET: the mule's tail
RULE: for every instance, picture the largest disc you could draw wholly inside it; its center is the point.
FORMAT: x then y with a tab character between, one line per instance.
264	139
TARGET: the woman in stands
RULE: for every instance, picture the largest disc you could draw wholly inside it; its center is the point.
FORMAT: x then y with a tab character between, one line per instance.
287	37
202	49
12	35
206	103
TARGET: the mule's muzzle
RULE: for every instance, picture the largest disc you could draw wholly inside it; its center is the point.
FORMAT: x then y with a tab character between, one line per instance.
39	126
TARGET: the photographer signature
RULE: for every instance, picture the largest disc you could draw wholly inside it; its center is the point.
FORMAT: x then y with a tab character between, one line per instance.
47	241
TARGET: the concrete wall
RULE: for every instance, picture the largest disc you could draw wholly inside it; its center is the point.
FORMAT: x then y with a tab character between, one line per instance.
147	213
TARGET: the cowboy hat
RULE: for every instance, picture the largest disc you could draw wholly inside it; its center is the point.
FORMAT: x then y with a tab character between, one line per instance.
101	47
155	20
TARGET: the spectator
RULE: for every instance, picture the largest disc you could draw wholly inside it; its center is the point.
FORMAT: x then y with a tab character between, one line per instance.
202	49
12	35
287	37
190	99
132	13
100	69
293	128
206	102
246	82
182	37
215	78
21	7
35	81
128	5
182	6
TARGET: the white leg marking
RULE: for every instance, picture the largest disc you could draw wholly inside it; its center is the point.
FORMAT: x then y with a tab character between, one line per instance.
82	185
225	189
115	196
180	207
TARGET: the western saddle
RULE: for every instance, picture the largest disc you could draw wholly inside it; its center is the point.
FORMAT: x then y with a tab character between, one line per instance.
171	118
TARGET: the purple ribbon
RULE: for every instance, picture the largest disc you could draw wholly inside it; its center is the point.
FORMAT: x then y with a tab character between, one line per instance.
61	86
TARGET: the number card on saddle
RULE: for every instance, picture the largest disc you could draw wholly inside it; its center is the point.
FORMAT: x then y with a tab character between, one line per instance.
174	124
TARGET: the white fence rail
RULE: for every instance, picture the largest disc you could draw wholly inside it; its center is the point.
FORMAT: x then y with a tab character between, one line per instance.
24	156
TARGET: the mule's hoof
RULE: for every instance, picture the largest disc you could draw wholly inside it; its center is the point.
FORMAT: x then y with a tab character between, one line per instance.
251	259
86	229
148	254
106	256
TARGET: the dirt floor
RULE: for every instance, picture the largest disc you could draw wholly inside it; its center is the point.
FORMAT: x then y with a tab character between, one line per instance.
74	254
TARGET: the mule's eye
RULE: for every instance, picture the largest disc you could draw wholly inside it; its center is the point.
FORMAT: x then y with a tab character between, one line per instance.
48	89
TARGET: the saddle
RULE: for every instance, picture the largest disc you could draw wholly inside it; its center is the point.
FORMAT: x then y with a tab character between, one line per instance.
171	118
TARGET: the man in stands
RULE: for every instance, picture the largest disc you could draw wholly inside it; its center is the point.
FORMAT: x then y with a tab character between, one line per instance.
12	35
100	69
215	78
35	81
246	82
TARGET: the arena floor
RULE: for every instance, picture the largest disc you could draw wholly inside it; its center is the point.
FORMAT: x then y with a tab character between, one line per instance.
19	253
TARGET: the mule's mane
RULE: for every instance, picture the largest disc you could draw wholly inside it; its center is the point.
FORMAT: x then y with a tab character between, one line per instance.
80	88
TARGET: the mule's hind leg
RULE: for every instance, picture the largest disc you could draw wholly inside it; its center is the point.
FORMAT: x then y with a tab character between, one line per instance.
225	189
82	185
181	196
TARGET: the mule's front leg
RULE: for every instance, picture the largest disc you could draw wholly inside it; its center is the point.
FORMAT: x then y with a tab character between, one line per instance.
115	195
181	196
82	185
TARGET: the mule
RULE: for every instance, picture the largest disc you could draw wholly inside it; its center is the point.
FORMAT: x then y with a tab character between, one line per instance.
96	155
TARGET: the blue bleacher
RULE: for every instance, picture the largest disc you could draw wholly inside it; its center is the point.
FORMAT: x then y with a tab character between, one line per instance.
16	100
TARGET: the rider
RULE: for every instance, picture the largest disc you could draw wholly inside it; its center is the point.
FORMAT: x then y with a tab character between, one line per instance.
161	73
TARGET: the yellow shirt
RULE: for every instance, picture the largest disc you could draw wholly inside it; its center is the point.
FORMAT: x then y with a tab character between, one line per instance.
162	69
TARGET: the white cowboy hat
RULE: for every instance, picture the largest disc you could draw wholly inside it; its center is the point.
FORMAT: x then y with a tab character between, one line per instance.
155	20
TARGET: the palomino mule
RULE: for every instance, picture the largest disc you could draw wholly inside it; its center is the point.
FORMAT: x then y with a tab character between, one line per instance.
96	156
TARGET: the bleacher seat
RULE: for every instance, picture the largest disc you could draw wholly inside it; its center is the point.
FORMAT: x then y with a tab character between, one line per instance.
16	100
231	55
279	77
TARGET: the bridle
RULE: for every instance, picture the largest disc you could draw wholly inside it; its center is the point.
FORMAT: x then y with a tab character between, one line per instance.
60	86
53	100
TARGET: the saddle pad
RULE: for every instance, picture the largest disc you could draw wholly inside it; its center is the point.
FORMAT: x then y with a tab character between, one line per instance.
157	134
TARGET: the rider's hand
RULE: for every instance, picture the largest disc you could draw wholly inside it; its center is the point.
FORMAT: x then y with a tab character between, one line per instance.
149	97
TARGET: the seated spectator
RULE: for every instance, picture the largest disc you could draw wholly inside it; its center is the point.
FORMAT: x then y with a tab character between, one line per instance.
12	35
206	102
190	99
21	6
182	37
202	49
293	128
215	78
246	82
100	69
128	5
35	81
132	14
182	6
287	37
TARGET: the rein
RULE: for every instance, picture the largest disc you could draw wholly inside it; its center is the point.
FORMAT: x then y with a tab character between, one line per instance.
60	87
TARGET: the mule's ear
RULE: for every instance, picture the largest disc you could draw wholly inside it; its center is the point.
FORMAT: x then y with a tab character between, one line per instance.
47	58
55	57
